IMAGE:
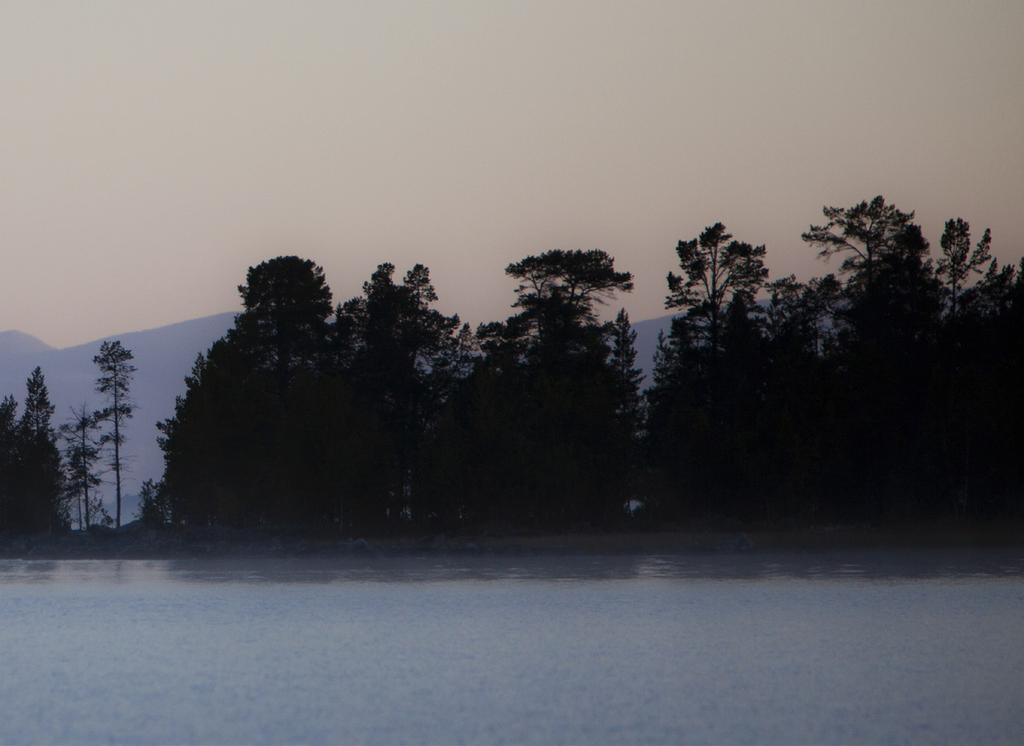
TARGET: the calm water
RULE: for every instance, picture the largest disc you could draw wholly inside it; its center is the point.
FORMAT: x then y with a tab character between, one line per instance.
852	648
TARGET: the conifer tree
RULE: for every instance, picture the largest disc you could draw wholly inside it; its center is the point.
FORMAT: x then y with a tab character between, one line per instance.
402	357
715	268
8	457
116	371
39	461
284	325
81	455
959	262
557	293
624	371
865	234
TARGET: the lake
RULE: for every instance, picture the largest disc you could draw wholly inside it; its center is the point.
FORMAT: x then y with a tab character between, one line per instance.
847	647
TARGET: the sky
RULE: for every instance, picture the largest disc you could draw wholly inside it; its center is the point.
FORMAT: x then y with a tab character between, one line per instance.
151	151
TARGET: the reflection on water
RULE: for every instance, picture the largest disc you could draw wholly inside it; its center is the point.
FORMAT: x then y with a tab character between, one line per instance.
866	564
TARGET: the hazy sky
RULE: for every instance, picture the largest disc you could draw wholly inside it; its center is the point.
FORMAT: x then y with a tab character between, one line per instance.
151	151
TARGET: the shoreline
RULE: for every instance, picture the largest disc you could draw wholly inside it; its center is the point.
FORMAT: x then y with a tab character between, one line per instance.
134	542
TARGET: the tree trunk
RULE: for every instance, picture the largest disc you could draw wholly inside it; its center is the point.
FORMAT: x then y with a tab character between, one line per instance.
117	453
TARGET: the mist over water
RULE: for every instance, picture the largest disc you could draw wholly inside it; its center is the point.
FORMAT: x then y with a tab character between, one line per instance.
725	648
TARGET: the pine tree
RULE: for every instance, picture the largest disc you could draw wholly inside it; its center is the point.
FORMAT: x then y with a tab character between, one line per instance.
715	269
114	382
39	461
284	325
626	375
958	262
81	455
8	457
403	357
557	294
865	234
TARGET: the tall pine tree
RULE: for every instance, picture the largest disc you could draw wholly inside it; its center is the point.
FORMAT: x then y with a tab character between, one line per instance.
116	371
39	468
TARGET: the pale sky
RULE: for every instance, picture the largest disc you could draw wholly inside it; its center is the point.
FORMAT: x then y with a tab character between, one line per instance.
151	151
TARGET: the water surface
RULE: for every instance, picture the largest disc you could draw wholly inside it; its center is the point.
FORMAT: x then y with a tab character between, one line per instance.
913	647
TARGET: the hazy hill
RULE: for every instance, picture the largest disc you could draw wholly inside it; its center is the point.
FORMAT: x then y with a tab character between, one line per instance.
164	356
14	344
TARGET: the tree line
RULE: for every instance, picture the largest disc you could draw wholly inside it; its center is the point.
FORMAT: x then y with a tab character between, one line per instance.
50	476
886	391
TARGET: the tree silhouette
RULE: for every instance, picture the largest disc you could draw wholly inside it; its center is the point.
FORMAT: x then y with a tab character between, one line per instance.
39	461
536	436
401	356
155	509
627	375
8	460
861	397
578	278
557	293
284	324
715	269
864	234
116	371
82	452
959	262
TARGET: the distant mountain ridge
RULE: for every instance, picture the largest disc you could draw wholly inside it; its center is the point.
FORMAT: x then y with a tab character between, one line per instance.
14	343
164	357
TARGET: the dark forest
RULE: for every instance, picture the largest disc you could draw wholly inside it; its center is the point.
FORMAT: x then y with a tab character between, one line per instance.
889	391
